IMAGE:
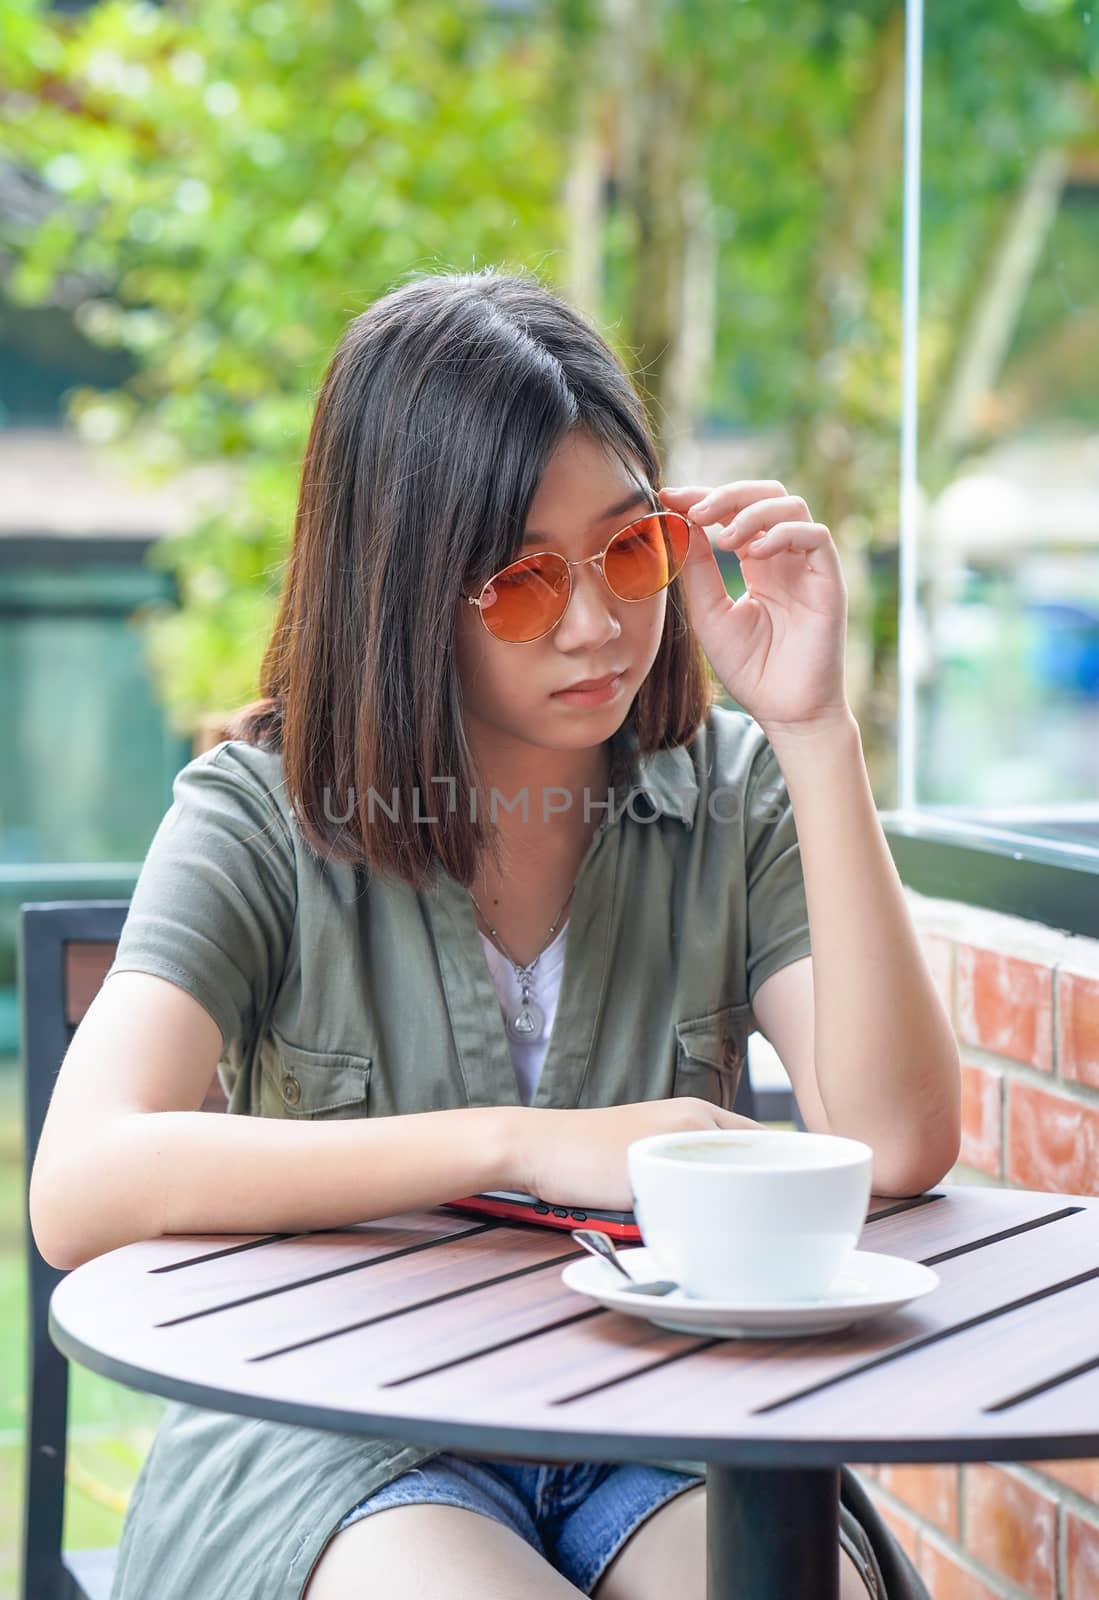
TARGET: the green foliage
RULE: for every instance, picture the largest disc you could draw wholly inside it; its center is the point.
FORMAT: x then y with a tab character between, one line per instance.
239	181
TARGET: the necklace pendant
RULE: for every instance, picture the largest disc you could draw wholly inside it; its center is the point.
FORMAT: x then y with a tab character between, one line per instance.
526	1021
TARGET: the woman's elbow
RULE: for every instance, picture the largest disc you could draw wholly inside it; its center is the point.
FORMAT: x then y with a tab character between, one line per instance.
52	1221
60	1220
912	1172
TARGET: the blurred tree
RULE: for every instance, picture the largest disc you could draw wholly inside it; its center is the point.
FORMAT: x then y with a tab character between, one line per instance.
751	161
232	183
717	182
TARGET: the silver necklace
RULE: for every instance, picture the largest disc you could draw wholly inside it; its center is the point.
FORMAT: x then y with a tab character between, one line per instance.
526	1020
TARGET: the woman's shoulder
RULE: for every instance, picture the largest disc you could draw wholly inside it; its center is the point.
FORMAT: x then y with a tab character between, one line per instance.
713	772
726	746
732	728
236	777
250	763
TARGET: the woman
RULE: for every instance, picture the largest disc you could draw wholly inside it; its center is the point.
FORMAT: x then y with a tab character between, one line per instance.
363	906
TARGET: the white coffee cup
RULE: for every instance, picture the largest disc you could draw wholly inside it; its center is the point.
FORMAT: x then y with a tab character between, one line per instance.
747	1214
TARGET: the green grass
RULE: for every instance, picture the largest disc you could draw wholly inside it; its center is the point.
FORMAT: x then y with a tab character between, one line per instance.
110	1427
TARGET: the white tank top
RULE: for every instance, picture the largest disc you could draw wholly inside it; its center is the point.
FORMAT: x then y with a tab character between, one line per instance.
527	1055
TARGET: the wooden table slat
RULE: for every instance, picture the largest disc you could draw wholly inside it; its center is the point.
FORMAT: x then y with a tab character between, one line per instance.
1065	1409
426	1333
938	1228
540	1371
989	1364
285	1264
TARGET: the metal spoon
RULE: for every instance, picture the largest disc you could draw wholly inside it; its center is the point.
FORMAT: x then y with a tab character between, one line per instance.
601	1244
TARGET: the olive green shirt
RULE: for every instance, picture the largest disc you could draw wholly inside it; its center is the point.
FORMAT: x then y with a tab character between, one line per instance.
340	994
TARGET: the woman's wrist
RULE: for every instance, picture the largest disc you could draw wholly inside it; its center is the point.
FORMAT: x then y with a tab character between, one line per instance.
513	1127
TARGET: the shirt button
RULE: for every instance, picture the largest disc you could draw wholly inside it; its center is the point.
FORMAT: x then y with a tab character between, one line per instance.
291	1090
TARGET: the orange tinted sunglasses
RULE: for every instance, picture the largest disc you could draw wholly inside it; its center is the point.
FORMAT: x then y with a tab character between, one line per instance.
527	599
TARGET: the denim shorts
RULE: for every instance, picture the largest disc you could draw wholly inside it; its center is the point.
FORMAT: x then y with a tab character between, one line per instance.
575	1514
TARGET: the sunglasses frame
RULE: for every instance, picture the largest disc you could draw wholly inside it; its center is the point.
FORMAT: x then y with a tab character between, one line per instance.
597	560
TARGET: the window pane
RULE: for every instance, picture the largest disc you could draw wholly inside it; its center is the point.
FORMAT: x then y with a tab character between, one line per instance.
1007	705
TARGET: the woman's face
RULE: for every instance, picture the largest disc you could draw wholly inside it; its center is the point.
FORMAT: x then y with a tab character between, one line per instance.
511	690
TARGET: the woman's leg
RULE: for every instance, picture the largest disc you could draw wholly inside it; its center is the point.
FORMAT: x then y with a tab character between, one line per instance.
666	1555
445	1551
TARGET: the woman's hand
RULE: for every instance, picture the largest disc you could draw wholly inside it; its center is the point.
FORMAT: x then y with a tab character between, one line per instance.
779	649
578	1157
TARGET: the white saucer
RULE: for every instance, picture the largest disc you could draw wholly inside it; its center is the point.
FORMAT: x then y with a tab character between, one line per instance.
868	1285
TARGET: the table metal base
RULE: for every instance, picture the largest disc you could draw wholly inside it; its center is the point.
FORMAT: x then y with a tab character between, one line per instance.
772	1533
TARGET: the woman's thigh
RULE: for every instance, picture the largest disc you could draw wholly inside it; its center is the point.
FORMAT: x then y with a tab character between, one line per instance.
444	1551
666	1555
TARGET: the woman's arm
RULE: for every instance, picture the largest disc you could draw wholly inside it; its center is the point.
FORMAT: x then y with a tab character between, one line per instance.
882	1046
125	1154
884	1054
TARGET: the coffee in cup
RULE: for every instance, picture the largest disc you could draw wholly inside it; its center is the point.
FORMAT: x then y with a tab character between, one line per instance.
750	1214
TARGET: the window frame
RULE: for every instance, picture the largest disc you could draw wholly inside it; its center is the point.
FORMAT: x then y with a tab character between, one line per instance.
940	855
1015	873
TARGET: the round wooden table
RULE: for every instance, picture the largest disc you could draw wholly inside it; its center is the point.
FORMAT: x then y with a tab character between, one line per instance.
428	1326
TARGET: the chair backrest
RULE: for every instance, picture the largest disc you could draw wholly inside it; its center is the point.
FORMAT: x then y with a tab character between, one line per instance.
62	946
65	948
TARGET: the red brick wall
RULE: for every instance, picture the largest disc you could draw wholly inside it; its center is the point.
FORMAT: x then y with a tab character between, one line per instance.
1024	1000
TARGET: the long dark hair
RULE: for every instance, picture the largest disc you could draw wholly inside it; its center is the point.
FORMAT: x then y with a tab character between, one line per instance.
435	420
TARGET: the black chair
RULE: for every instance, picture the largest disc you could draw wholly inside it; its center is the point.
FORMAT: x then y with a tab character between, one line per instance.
64	950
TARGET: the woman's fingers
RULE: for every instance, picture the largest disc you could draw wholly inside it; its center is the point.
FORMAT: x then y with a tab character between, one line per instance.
786	536
728	500
684	499
756	516
761	516
707	506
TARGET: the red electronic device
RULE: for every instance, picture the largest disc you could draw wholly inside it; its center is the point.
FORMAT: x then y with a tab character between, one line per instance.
512	1206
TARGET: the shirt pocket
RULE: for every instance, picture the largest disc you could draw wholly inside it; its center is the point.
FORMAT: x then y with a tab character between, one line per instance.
710	1054
318	1083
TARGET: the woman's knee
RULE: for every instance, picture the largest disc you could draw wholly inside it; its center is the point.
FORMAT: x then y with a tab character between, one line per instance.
427	1548
667	1554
